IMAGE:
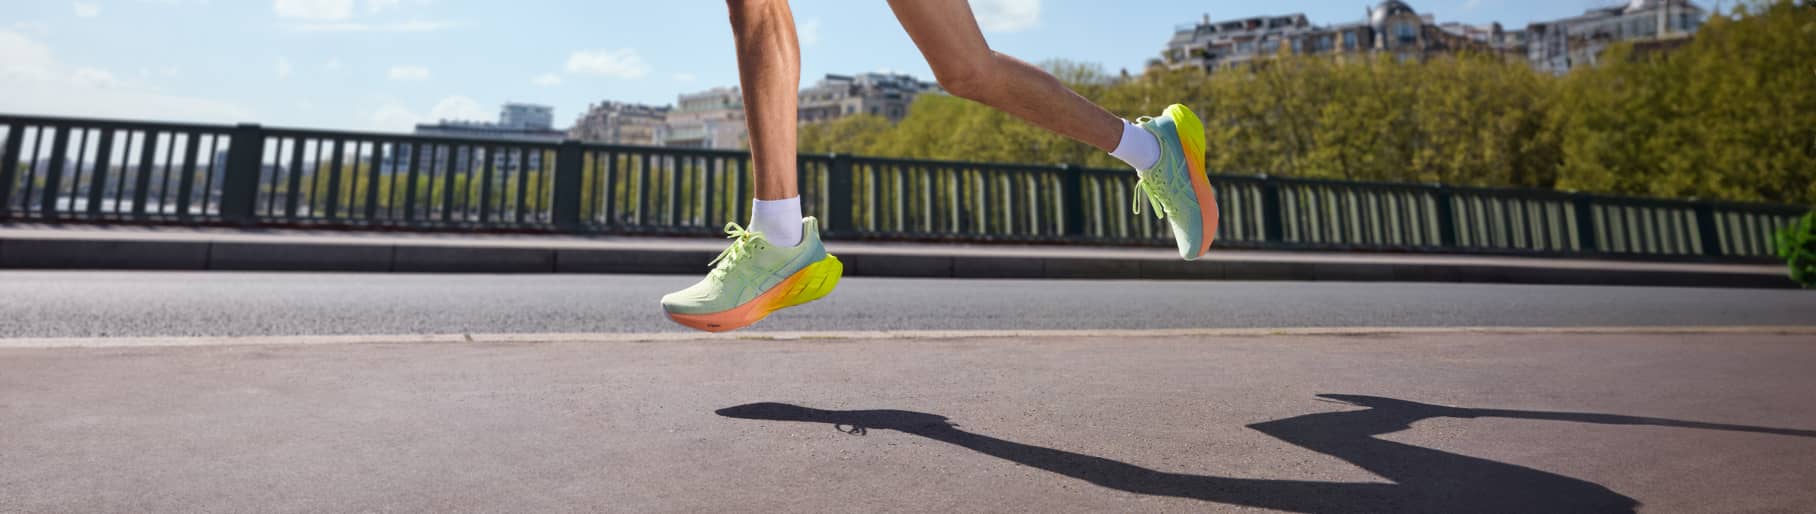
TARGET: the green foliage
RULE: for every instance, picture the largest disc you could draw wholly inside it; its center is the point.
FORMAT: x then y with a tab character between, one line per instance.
861	134
1797	245
1730	115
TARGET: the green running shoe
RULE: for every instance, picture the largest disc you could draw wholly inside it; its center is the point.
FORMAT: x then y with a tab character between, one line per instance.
754	278
1178	187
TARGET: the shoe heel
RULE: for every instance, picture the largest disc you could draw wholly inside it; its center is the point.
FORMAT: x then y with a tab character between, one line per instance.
816	281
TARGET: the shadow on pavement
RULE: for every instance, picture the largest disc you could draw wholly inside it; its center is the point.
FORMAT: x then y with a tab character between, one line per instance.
1424	479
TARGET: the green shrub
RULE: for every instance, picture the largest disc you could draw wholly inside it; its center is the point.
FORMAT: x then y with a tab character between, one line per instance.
1797	244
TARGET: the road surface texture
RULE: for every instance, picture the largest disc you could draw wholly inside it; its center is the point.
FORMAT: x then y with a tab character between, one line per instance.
1431	422
112	304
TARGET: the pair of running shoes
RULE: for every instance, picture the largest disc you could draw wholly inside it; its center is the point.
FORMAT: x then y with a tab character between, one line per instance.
755	277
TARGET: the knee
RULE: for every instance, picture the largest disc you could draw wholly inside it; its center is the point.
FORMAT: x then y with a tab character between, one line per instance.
968	78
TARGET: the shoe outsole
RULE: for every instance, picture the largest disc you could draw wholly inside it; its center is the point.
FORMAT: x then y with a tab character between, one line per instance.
811	283
1191	138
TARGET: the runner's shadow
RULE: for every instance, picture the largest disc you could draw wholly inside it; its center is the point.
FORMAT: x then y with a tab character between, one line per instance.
1423	479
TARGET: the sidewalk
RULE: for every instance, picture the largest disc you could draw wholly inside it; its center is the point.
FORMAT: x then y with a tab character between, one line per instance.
1439	421
142	248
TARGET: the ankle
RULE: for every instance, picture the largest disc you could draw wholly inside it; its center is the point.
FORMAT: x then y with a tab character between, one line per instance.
778	220
1139	148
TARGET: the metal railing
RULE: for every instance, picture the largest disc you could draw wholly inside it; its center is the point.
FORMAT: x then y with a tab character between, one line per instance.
64	169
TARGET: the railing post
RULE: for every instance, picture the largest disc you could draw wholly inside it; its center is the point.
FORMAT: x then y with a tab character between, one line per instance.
1447	216
568	171
186	184
1585	222
1707	228
1072	190
672	190
240	186
838	195
376	168
1273	212
335	160
97	183
53	176
416	153
9	169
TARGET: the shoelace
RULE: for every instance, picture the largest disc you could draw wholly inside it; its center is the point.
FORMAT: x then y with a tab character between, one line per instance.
742	239
1154	187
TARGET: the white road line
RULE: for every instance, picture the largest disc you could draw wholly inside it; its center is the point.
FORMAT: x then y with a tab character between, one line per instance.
137	342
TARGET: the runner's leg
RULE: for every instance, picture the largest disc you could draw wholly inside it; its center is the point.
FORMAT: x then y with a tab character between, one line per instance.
1167	151
780	262
948	37
769	70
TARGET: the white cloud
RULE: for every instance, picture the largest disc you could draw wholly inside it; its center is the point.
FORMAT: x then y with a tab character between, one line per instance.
87	9
403	26
393	118
93	78
1006	15
377	6
396	117
381	5
284	68
334	64
36	83
546	80
809	32
460	108
34	27
408	73
623	63
684	77
23	58
338	16
313	9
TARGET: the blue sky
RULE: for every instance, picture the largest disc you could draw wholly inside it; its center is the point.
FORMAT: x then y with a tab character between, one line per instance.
386	64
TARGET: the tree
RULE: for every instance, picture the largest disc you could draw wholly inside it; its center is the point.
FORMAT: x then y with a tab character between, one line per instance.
1729	115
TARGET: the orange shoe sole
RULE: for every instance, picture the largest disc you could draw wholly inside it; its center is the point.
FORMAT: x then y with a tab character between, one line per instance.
811	283
1192	139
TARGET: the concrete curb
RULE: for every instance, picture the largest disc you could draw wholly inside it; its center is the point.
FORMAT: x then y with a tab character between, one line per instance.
206	255
31	343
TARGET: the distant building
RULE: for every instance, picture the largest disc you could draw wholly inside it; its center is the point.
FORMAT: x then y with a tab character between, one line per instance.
621	123
708	119
527	116
715	118
1391	27
1227	44
880	94
1557	46
516	122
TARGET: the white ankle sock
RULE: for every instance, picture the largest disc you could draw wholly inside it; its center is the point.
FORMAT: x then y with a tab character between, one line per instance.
778	220
1138	147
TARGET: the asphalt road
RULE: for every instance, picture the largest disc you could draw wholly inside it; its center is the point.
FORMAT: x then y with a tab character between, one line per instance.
113	304
1383	423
